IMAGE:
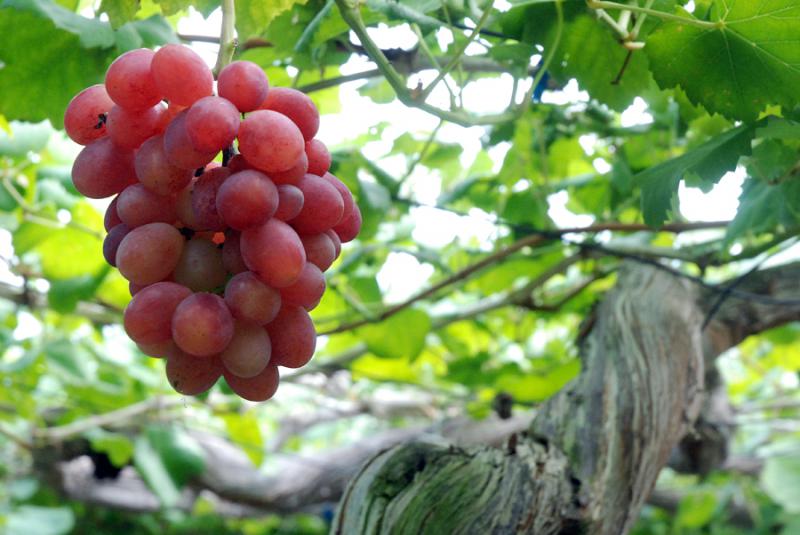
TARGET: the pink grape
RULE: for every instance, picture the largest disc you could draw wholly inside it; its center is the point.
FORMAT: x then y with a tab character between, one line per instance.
102	169
259	388
274	252
148	317
137	206
322	206
249	351
112	241
270	141
158	350
307	290
183	207
293	337
130	128
149	253
344	191
190	375
251	300
134	288
111	218
297	106
155	171
293	175
238	163
179	148
204	199
181	75
337	242
130	82
320	250
82	120
202	325
319	159
290	202
348	229
244	84
232	254
200	267
212	123
246	199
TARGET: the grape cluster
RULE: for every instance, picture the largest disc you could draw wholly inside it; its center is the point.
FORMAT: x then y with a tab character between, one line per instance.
224	260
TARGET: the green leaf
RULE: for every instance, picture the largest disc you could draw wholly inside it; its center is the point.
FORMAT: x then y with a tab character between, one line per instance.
64	294
24	137
709	162
243	429
253	16
117	446
32	519
401	336
119	11
72	360
92	32
151	467
762	207
44	66
533	388
771	160
781	481
696	509
750	59
167	458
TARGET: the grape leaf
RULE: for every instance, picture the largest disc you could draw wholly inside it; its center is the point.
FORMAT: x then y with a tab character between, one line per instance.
781	481
749	59
92	32
253	16
402	336
708	162
119	11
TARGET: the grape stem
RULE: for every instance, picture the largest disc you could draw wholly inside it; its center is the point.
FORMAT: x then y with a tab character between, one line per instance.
227	38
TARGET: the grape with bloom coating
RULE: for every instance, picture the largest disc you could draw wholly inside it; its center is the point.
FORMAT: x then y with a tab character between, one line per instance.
320	250
156	172
290	202
307	290
232	254
246	199
293	337
137	206
259	388
212	123
249	351
270	141
348	229
319	159
83	118
297	106
130	128
322	206
149	253
129	80
204	199
251	300
244	84
111	218
181	75
274	252
111	243
148	317
102	169
200	266
202	325
190	375
178	146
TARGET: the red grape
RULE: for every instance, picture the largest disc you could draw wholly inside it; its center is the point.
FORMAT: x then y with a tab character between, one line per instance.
137	206
103	169
344	191
148	317
244	84
129	80
190	375
290	202
155	171
202	325
322	206
183	207
112	241
204	199
149	253
246	199
212	123
200	266
307	290
83	118
337	242
181	75
179	148
297	106
259	388
130	128
274	252
251	300
319	159
249	351
348	229
231	254
292	175
270	141
111	219
293	337
158	350
238	163
320	250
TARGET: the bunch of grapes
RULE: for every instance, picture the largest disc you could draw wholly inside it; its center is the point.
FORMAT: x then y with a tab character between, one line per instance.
224	259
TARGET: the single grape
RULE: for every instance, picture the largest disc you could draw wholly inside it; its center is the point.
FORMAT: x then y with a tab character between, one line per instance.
290	202
158	350
204	199
238	163
154	170
246	199
183	207
249	351
111	218
292	175
112	241
202	325
212	123
232	254
274	252
337	242
83	120
293	337
200	267
149	253
137	206
251	300
130	128
320	250
322	206
244	84
179	148
348	229
259	388
270	141
190	375
319	159
181	75
344	191
148	317
307	290
129	80
297	106
134	288
102	169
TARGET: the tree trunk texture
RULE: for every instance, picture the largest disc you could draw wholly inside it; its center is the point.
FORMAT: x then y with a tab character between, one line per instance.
590	458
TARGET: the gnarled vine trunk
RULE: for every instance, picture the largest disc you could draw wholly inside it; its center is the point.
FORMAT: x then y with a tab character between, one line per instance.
592	455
